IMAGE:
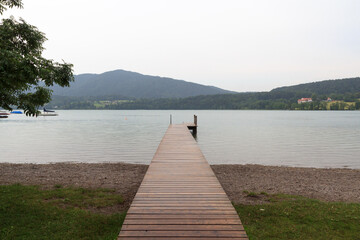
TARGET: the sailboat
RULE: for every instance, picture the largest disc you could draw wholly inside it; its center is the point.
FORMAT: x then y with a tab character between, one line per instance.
47	112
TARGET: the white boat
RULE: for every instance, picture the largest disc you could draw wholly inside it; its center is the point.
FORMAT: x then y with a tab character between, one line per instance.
48	114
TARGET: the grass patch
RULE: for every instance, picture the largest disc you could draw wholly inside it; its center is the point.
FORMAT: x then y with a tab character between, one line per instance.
261	195
295	217
26	212
81	197
252	194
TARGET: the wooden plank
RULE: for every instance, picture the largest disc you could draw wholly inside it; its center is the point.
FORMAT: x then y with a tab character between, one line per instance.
171	203
179	211
180	216
171	233
183	206
196	199
180	196
227	227
182	221
180	238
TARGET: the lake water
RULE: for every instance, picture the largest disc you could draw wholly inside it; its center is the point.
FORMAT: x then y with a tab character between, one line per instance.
291	138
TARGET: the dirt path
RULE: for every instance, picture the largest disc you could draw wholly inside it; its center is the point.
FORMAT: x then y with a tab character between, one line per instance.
323	184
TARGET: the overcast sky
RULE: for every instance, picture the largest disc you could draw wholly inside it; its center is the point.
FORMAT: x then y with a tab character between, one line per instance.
240	45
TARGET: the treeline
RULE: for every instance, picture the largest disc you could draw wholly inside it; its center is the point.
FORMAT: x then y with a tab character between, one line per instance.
273	100
327	87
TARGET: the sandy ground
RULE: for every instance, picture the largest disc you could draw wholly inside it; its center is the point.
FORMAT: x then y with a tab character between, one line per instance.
324	184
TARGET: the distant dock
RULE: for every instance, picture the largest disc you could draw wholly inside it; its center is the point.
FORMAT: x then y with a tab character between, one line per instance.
180	197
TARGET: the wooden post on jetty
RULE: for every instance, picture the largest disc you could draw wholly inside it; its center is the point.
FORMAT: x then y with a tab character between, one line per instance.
180	196
193	126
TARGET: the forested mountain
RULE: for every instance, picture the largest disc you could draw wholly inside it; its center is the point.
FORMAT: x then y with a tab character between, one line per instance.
340	86
133	85
346	94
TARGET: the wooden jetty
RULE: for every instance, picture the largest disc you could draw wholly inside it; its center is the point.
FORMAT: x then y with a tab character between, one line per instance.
180	196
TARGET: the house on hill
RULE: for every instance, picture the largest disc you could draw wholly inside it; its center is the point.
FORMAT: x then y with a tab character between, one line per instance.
304	100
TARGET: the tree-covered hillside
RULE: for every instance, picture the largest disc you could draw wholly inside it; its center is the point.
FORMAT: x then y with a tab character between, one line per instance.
280	98
340	86
133	85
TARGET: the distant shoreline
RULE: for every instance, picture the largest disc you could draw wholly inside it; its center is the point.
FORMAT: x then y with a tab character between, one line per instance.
323	184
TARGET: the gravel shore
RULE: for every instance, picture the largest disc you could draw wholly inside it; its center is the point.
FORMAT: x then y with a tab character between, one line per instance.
323	184
333	185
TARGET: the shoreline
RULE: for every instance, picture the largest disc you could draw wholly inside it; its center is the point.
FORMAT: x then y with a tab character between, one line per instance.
325	184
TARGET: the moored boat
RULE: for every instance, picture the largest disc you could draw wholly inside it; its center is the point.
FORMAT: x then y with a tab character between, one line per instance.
16	112
4	114
47	112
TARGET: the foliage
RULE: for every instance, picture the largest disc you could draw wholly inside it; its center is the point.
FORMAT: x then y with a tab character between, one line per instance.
25	76
295	217
9	3
26	212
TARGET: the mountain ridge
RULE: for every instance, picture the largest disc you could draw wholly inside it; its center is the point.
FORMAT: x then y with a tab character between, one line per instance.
340	91
341	86
134	85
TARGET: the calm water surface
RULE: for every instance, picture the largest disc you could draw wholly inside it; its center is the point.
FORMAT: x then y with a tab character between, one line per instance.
292	138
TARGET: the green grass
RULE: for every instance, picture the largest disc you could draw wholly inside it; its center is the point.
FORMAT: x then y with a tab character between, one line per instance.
81	197
347	104
99	104
295	217
103	104
26	212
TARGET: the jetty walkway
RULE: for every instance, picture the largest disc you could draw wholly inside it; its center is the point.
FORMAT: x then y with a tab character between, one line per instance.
180	196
